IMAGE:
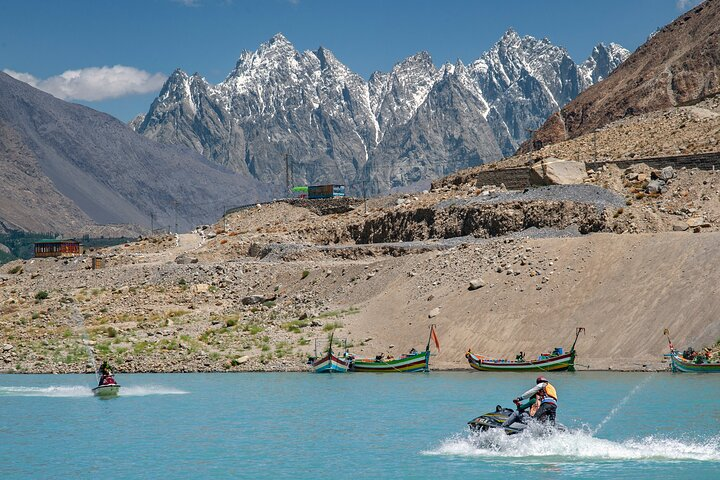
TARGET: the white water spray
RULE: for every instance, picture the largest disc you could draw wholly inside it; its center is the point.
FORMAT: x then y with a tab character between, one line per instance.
77	391
576	445
86	340
622	403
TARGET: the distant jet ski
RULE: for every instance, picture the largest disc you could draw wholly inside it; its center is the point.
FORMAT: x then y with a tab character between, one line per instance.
495	419
106	390
107	386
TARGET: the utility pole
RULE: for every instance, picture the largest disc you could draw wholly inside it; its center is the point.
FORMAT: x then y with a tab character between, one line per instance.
152	223
287	174
364	197
176	216
225	226
595	144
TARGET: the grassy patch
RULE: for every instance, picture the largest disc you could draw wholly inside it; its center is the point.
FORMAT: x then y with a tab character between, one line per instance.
253	328
338	313
142	347
295	325
15	269
305	274
332	326
41	295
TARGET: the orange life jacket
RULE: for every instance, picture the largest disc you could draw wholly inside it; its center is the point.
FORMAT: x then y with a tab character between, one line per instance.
550	391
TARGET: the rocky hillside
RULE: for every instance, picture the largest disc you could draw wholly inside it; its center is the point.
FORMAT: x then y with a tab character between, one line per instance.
679	65
497	271
399	128
68	168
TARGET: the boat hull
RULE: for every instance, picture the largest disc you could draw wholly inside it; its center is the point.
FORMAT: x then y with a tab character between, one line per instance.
411	363
558	363
680	364
106	391
330	364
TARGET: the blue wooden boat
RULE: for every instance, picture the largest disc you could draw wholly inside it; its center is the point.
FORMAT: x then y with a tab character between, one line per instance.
329	363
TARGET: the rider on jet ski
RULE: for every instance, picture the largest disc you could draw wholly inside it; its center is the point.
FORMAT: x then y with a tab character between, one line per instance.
106	376
542	392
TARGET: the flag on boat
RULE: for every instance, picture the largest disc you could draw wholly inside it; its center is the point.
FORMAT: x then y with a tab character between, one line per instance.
433	335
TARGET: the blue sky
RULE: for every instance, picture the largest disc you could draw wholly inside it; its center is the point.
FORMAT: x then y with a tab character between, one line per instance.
113	55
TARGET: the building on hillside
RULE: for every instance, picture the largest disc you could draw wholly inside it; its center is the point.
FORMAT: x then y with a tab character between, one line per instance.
57	248
325	191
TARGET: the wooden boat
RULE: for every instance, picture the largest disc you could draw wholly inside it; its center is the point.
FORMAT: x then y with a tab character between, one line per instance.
412	362
556	362
682	364
330	363
419	362
679	363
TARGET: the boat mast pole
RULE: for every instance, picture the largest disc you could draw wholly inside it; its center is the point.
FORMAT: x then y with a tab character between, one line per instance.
578	331
427	348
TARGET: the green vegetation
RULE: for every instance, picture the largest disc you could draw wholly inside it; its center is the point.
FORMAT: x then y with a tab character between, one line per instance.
305	273
253	328
15	269
111	332
338	313
332	326
41	295
295	325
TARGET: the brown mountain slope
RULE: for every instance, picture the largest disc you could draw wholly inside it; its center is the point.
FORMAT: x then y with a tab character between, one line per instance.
29	199
678	66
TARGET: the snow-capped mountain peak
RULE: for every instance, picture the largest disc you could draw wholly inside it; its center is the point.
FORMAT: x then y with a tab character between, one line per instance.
602	61
338	127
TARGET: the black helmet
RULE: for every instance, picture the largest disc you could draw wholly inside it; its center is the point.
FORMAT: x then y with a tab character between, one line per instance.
541	379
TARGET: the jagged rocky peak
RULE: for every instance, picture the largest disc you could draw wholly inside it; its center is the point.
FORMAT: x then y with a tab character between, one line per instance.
396	96
136	121
277	55
333	123
602	61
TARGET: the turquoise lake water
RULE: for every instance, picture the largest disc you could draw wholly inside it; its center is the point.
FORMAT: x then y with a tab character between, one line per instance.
355	426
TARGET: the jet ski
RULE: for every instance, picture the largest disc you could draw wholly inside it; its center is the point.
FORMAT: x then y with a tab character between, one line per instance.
107	387
495	419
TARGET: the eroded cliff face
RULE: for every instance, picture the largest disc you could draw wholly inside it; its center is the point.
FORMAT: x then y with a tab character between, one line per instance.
479	220
679	65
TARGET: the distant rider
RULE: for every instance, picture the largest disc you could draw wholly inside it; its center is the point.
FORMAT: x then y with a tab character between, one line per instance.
106	375
546	394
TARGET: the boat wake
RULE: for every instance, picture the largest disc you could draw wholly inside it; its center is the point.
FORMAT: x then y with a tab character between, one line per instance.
573	445
70	391
143	391
52	391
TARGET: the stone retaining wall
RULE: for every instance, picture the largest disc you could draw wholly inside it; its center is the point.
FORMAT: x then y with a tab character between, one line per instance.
518	178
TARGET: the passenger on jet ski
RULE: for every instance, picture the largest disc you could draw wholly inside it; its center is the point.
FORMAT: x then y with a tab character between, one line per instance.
545	394
106	375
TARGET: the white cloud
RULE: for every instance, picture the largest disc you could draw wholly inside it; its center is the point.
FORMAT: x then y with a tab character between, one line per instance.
686	4
95	83
188	3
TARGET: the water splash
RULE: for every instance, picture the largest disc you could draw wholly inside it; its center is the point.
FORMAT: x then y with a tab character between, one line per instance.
576	445
85	391
143	391
622	403
52	391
